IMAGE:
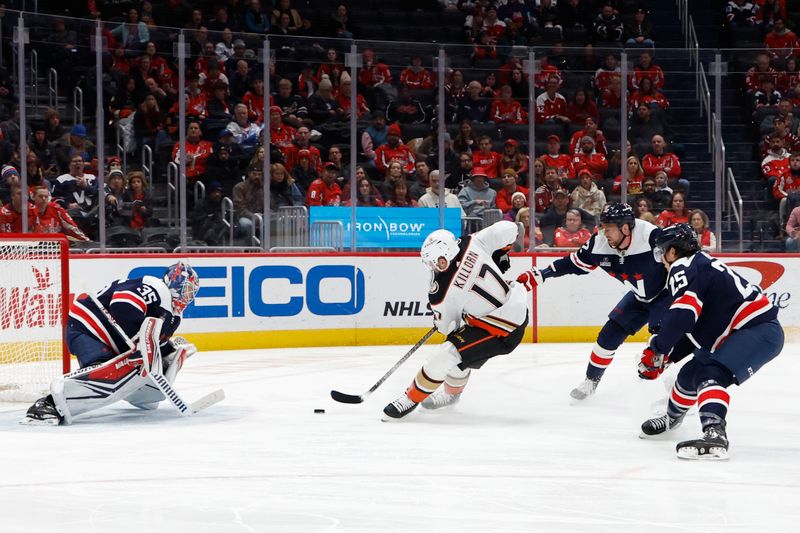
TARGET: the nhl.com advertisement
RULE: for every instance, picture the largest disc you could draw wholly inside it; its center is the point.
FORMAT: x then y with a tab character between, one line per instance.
316	293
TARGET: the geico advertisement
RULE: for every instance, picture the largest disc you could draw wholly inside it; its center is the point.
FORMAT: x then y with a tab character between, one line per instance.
586	300
284	293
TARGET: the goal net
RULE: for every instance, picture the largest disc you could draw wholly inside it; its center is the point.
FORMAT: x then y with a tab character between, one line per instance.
34	299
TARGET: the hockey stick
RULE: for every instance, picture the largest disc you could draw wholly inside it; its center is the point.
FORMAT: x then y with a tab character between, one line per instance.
351	398
159	380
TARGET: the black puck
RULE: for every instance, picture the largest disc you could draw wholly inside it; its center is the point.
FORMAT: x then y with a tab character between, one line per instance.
319	410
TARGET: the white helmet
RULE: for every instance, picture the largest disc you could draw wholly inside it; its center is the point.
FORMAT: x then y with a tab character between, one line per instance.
440	243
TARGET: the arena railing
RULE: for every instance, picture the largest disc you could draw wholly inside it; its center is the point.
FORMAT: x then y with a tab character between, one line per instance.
736	205
289	56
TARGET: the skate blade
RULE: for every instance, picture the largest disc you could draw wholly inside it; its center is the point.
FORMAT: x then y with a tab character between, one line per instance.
577	401
27	421
714	453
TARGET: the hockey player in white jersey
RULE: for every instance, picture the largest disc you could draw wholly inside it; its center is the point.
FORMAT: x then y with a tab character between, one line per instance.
122	338
480	313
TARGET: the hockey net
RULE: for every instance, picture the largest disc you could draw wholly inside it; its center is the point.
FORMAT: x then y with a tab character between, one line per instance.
34	300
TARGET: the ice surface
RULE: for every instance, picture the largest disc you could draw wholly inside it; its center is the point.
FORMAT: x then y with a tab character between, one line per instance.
513	455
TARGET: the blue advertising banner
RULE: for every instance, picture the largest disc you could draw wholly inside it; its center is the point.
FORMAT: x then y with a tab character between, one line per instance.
389	227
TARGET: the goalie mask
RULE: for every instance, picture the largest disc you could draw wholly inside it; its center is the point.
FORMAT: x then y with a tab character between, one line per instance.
183	283
439	244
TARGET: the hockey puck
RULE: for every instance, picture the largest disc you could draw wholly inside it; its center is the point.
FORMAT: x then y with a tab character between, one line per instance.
321	411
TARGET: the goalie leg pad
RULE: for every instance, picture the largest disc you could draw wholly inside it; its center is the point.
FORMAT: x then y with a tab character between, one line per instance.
149	346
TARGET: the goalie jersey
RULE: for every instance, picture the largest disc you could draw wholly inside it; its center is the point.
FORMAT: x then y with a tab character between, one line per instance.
635	267
710	302
472	290
129	302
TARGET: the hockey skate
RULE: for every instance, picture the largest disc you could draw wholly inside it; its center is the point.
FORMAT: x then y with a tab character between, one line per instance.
42	413
713	445
660	424
584	390
440	399
398	408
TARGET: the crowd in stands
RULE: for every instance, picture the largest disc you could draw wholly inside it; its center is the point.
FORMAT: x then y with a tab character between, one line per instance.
574	168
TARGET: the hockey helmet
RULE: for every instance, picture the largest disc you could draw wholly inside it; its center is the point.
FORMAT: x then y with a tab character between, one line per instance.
619	214
682	237
183	283
440	243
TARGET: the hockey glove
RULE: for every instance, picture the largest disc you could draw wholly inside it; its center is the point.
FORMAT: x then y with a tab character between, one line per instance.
531	278
652	364
502	260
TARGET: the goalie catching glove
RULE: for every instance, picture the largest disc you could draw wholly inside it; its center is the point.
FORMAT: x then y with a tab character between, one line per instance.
531	278
652	364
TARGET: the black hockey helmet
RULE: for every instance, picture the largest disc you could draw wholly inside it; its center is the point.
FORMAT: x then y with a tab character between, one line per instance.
619	214
682	237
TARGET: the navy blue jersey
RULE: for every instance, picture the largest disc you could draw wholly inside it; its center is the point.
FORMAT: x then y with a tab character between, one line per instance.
710	302
129	302
635	267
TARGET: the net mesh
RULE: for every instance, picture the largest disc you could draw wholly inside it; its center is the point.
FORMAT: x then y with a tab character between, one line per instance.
31	317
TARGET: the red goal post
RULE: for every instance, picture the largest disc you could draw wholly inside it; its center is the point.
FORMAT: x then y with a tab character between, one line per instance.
34	307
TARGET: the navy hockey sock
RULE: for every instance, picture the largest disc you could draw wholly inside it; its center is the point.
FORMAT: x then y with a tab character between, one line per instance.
713	401
598	362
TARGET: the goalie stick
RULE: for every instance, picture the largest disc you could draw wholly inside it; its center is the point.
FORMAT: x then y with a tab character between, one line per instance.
352	398
159	380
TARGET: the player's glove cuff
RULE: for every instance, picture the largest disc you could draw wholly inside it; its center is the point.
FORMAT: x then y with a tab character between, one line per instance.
652	364
530	278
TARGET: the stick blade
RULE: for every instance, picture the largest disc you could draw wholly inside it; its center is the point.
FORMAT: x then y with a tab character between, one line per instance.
346	398
207	401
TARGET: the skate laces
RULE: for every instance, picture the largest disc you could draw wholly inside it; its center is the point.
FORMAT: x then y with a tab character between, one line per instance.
403	403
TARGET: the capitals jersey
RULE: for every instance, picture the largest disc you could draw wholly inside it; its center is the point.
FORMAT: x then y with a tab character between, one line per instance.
128	302
732	303
473	290
635	267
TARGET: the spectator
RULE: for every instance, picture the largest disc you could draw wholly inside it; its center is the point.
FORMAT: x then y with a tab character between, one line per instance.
775	164
635	177
753	75
603	76
75	189
514	159
454	91
587	195
374	136
206	218
118	213
505	110
331	67
248	198
591	130
254	20
769	10
304	171
399	196
405	109
677	213
508	190
377	79
554	158
36	175
340	21
307	84
546	192
660	159
589	158
132	34
284	191
49	217
766	95
647	69
223	50
75	142
394	149
325	191
780	131
489	86
518	201
574	14
519	85
611	98
788	185
422	180
302	141
581	108
9	176
44	150
785	112
218	109
245	132
197	152
607	26
699	222
293	106
282	135
647	95
572	234
224	169
140	200
792	230
781	43
367	194
643	206
394	173
740	13
430	146
659	198
487	159
456	180
645	126
493	25
148	124
551	106
431	196
473	108
477	196
285	7
52	125
789	80
638	31
322	106
11	212
254	100
465	141
335	157
343	99
416	76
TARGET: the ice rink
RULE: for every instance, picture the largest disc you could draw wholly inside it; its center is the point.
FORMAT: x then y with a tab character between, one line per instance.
514	455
